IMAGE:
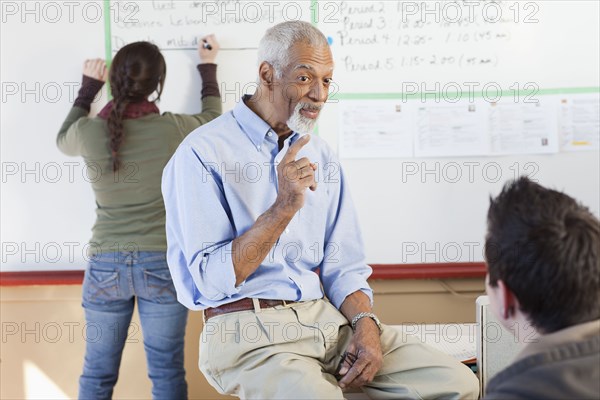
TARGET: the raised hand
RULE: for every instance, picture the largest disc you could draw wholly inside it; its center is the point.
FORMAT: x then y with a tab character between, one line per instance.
294	177
95	68
208	47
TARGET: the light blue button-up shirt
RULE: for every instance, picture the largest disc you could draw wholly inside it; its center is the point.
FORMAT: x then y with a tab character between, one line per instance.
220	180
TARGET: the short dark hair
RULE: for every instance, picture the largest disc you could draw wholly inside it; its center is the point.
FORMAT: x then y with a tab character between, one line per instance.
545	247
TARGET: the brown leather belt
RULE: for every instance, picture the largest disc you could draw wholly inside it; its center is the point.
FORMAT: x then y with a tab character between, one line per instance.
243	305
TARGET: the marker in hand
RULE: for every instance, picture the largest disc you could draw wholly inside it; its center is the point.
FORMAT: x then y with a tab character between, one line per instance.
208	48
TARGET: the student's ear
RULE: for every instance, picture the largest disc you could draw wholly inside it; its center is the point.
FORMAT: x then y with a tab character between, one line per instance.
266	73
507	301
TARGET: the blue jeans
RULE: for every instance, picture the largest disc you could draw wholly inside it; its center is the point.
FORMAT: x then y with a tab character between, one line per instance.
112	283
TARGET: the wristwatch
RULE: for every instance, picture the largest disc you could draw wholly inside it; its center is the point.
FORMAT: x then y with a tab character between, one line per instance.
362	315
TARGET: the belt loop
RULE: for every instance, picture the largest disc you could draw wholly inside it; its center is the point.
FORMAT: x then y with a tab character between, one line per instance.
256	304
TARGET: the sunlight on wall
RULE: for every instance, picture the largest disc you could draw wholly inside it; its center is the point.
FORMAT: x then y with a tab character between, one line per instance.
38	385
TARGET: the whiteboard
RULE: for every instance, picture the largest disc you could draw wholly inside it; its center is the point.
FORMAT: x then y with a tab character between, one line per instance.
385	46
411	209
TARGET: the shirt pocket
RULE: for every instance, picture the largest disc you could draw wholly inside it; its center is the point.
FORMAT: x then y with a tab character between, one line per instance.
314	212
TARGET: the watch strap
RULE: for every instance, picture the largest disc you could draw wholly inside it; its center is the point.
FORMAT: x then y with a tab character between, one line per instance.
362	315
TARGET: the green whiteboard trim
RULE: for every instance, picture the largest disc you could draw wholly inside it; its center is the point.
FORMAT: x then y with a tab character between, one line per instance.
413	96
314	12
107	40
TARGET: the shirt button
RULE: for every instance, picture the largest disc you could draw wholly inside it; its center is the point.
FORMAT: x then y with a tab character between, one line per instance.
258	148
287	230
270	134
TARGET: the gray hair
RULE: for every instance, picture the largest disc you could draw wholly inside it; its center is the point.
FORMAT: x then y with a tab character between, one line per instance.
274	46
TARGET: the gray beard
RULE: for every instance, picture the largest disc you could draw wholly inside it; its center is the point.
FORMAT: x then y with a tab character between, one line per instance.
299	123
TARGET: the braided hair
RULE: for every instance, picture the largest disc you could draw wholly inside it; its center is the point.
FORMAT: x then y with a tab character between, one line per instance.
138	70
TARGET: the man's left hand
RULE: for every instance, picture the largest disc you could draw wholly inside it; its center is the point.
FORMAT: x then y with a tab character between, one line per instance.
366	346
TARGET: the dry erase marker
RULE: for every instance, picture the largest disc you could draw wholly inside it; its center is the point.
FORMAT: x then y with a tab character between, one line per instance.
206	45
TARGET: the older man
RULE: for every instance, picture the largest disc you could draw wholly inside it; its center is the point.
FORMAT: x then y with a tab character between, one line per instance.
261	231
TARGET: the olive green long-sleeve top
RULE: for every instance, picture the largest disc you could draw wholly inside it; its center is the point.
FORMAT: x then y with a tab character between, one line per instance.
130	213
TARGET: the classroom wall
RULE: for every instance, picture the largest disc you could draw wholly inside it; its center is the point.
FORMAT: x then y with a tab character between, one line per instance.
42	347
411	209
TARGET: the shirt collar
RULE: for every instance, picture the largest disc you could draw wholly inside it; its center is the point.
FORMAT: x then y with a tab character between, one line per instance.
571	334
254	126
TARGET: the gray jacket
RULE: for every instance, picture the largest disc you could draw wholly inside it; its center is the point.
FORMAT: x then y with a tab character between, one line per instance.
565	366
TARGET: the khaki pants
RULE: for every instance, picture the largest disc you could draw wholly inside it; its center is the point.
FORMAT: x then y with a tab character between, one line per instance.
291	352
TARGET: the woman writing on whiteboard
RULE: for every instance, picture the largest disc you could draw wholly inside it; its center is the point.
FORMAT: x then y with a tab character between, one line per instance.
126	147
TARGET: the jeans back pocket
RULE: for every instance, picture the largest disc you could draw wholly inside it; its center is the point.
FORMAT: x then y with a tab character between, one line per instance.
101	285
159	286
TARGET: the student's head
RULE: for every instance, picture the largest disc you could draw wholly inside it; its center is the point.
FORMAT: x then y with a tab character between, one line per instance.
137	71
295	72
543	255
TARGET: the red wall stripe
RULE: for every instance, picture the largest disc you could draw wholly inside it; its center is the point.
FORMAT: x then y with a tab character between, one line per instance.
380	271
